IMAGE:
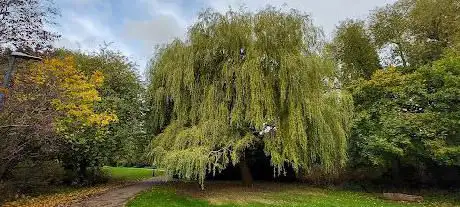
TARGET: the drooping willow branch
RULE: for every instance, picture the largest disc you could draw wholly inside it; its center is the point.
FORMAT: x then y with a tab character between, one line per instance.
210	97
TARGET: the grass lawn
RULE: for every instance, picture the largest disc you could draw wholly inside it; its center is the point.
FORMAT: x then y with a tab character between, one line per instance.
130	174
268	194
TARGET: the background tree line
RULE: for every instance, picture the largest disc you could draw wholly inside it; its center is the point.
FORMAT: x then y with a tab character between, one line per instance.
406	122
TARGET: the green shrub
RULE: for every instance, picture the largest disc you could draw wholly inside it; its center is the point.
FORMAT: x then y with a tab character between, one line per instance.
30	175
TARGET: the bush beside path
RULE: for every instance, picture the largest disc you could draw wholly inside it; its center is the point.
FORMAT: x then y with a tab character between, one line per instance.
124	183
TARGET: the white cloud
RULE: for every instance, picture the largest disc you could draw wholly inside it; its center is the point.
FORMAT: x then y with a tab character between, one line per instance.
325	13
167	8
165	23
161	29
84	32
85	26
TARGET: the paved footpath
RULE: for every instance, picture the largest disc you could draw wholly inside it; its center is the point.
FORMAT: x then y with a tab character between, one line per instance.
120	196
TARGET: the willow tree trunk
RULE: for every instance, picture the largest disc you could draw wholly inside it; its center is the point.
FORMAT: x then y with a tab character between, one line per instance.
395	171
246	175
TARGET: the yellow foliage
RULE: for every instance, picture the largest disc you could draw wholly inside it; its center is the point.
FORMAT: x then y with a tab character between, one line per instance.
73	94
97	78
3	90
61	199
389	76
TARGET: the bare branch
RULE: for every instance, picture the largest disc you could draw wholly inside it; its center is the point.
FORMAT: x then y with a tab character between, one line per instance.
12	126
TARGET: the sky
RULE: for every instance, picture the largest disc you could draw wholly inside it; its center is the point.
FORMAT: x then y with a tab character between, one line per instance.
135	27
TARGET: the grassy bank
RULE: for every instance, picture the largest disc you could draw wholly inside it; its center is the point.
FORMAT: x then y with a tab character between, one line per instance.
268	194
130	174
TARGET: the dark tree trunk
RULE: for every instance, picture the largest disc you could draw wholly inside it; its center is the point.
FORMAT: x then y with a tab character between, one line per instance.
82	173
246	175
401	54
396	172
2	170
6	167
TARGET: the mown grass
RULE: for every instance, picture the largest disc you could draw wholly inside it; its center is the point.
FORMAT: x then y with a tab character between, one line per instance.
231	195
130	174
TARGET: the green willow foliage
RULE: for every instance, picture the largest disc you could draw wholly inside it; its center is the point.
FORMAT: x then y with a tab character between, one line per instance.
237	71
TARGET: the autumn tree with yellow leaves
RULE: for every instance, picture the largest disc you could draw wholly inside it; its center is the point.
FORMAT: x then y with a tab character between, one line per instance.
51	112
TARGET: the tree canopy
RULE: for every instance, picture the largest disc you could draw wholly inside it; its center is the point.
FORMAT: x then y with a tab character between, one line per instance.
121	92
354	50
235	73
417	31
406	114
63	100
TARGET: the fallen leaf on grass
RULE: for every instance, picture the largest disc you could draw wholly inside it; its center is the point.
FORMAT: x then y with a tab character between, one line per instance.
61	199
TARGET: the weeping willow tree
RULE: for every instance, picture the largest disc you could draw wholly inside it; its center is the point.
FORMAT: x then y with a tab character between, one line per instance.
212	96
